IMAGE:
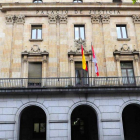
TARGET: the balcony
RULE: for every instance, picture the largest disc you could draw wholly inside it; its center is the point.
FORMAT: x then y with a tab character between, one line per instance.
69	82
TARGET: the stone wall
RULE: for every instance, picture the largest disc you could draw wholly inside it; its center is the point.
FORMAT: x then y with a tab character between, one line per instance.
58	109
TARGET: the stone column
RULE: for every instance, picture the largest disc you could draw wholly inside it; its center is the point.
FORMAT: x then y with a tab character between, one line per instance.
108	48
136	20
8	46
52	45
63	46
136	59
18	33
97	42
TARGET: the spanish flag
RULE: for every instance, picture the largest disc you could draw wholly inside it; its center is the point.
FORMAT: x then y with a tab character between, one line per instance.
84	64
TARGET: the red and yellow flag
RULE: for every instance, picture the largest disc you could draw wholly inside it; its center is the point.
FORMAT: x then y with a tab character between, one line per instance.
84	64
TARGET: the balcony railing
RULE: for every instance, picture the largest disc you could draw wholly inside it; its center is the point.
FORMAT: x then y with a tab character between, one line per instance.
68	82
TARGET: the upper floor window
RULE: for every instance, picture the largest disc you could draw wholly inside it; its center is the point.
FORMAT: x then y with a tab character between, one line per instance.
36	32
37	1
117	0
121	31
77	1
79	32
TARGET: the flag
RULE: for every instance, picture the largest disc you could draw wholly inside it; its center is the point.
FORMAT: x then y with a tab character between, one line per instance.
84	64
95	62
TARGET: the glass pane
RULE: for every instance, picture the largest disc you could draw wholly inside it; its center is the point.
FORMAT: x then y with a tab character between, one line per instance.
78	77
79	1
33	33
131	76
76	33
85	80
127	65
119	32
82	33
39	34
36	127
124	32
124	74
130	72
42	127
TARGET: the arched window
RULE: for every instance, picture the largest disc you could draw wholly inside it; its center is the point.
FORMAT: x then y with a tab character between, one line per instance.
77	1
37	1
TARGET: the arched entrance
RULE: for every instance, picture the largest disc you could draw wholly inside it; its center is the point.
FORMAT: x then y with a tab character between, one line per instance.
32	124
131	122
84	123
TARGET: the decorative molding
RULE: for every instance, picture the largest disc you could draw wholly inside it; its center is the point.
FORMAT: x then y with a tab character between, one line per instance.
136	19
126	51
95	19
10	19
105	19
77	43
57	18
52	18
58	121
20	19
63	19
35	49
125	47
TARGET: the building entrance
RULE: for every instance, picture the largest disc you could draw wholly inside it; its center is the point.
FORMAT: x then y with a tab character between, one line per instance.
131	122
33	124
84	124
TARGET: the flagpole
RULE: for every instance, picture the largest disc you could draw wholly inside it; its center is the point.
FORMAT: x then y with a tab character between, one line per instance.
91	59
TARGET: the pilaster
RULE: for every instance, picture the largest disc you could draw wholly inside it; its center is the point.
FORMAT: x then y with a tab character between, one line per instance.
97	42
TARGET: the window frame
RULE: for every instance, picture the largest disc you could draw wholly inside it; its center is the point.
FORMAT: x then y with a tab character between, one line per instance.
79	25
127	78
121	32
36	38
34	1
77	1
117	1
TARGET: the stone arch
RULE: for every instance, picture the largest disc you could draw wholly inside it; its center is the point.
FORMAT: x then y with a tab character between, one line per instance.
18	116
98	115
130	102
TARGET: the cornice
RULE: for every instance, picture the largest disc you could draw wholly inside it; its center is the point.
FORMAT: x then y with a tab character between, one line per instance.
69	6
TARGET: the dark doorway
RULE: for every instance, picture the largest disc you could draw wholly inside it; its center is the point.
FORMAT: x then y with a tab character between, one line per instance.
131	122
33	124
84	124
81	75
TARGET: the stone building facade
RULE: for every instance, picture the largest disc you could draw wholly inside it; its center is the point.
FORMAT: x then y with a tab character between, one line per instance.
43	95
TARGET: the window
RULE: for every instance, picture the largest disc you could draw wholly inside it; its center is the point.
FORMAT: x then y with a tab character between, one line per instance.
39	128
77	1
36	32
79	32
117	1
121	31
34	74
80	74
37	1
127	72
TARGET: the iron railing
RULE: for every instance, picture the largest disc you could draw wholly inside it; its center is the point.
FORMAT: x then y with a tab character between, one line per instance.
68	82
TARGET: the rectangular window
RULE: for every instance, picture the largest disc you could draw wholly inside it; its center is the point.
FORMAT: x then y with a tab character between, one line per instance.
117	1
127	72
77	1
121	31
80	74
36	31
79	32
34	74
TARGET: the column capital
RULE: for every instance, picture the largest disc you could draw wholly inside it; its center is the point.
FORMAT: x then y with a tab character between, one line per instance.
105	19
95	19
20	19
136	19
